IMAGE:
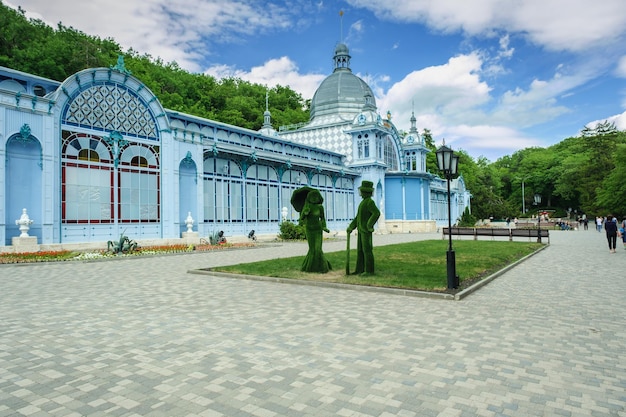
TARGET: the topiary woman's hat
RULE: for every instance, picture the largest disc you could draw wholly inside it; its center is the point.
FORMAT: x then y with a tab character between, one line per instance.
367	186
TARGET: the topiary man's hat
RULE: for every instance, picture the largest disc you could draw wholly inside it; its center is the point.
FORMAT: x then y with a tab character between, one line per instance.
367	186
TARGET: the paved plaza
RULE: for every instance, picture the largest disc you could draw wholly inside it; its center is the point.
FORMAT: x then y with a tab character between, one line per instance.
142	337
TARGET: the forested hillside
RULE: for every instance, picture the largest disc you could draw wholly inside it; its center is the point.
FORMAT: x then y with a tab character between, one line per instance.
34	47
584	174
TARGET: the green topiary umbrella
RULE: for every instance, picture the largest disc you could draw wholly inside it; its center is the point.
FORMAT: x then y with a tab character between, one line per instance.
298	198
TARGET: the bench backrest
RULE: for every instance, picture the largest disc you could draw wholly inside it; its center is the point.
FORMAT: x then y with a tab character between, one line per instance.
478	231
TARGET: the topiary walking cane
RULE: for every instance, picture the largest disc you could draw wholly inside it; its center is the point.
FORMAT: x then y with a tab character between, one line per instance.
348	255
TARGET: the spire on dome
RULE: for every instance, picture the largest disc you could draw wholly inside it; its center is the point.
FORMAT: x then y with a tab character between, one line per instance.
341	26
413	120
267	116
342	55
267	128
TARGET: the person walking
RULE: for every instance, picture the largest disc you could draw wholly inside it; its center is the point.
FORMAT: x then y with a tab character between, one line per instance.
622	231
599	224
610	226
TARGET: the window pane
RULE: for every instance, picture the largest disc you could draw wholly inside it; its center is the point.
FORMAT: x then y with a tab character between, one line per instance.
209	200
251	202
84	197
274	210
236	203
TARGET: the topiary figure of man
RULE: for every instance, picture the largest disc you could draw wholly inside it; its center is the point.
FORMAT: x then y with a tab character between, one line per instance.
366	217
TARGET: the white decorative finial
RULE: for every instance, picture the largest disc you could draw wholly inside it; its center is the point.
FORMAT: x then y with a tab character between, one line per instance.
189	222
24	223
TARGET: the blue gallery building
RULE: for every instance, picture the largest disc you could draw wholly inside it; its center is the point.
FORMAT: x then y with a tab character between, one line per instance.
97	155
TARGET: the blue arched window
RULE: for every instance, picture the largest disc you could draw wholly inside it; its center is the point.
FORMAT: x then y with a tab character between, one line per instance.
86	171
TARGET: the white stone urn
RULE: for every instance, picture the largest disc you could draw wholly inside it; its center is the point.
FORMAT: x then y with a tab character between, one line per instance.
24	223
189	222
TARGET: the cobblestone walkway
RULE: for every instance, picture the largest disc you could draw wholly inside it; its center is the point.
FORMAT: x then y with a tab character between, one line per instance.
142	337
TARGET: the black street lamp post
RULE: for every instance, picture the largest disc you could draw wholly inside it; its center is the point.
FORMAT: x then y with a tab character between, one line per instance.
537	201
448	162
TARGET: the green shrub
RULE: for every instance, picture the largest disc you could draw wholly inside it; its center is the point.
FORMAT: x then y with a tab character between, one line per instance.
291	231
467	219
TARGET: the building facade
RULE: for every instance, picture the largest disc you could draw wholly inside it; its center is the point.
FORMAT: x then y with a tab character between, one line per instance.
97	156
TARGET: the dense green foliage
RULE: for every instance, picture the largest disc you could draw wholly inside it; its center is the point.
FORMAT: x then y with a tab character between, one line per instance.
467	219
31	46
586	174
579	175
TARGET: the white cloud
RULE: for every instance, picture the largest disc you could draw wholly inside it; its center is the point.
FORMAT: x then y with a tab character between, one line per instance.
490	141
486	140
173	30
505	50
456	93
447	89
573	25
452	101
620	71
281	71
448	100
618	119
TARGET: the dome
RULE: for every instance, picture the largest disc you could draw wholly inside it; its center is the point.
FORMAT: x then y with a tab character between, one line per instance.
341	49
340	92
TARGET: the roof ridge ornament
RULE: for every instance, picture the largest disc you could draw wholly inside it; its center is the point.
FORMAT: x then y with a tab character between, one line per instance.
120	66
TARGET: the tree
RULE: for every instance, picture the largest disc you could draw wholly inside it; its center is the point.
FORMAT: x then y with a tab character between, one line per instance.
34	47
612	193
431	158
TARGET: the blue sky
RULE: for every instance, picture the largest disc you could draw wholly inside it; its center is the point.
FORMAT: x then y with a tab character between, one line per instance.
489	76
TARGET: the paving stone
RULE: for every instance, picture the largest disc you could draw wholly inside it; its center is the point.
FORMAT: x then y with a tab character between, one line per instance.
143	337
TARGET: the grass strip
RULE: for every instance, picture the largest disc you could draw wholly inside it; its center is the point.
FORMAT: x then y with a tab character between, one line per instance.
417	265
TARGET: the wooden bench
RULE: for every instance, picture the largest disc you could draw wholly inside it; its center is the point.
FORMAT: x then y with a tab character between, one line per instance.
494	232
530	233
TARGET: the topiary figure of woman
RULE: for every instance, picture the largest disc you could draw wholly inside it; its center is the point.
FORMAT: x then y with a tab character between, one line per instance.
314	221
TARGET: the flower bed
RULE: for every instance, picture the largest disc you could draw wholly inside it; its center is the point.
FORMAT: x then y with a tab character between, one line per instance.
66	255
41	256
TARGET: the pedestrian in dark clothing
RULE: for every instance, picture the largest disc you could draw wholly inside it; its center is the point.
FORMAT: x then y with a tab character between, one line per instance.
622	231
610	226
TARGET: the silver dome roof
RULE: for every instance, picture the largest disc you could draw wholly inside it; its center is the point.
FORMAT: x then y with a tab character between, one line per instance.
342	91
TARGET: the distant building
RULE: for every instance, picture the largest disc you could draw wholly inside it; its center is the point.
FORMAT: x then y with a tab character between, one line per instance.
97	155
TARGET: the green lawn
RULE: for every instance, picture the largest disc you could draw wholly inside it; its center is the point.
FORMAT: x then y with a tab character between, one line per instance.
419	265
